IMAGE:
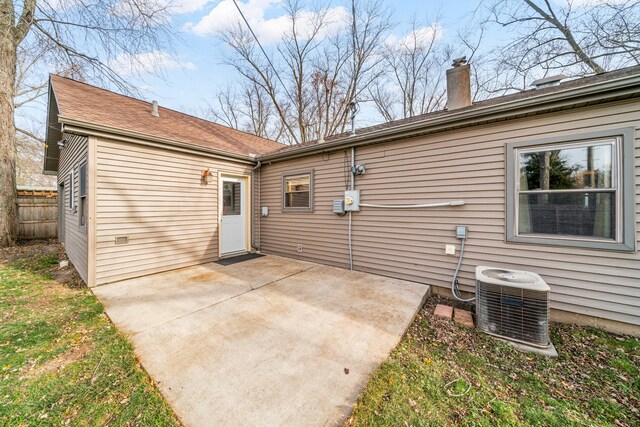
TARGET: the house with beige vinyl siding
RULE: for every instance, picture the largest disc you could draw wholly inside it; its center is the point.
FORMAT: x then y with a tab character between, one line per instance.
546	180
155	182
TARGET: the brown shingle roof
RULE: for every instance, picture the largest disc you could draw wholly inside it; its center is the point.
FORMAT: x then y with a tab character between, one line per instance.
92	105
511	98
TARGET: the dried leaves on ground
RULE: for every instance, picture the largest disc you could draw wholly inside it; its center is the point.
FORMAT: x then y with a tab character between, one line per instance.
445	374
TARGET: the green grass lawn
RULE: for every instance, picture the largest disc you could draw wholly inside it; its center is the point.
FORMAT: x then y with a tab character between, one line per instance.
62	362
444	374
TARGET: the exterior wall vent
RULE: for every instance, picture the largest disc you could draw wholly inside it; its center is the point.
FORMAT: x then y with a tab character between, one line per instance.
513	304
548	81
122	240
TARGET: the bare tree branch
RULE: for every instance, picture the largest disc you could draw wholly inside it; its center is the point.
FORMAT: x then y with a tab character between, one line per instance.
79	38
319	67
567	37
30	135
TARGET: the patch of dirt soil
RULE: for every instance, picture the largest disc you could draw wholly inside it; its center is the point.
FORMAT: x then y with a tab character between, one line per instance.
58	363
30	249
67	276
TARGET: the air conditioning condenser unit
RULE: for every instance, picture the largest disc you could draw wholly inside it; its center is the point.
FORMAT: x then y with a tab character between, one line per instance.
513	305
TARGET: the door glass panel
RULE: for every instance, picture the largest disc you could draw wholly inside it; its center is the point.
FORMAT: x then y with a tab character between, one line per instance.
231	198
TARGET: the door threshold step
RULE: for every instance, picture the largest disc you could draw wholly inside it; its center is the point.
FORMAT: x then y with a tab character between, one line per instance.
234	259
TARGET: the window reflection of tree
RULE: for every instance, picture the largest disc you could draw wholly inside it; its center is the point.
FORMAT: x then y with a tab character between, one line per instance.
552	208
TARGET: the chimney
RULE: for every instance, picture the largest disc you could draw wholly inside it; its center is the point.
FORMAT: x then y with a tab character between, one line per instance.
154	109
459	84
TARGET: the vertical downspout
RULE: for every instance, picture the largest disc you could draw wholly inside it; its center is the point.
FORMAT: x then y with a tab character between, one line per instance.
353	187
255	172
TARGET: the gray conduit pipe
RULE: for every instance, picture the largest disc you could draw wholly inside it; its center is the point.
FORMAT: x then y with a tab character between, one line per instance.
454	282
255	173
370	205
353	187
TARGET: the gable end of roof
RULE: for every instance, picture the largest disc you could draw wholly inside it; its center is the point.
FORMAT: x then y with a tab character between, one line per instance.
53	135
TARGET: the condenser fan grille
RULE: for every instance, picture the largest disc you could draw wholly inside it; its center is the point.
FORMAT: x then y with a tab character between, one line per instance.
509	276
513	313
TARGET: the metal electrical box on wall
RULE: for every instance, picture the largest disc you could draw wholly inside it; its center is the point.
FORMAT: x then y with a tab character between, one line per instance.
352	200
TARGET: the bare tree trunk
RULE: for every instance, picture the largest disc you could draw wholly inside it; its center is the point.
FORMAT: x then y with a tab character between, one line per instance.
137	29
568	35
8	194
545	170
545	176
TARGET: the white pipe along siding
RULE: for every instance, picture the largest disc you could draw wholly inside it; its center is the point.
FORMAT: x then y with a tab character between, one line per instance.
467	165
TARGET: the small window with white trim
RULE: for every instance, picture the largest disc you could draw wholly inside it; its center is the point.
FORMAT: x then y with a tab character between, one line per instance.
569	193
297	192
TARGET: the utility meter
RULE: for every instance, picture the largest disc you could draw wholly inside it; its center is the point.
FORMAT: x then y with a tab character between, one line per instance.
352	200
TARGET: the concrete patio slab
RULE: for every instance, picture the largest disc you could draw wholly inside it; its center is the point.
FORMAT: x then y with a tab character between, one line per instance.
264	342
136	305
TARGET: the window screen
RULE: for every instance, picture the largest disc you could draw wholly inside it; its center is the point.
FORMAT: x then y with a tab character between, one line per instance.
83	194
83	180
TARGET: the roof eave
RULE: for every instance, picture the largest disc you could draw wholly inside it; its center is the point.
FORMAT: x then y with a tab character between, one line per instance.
48	138
612	88
92	129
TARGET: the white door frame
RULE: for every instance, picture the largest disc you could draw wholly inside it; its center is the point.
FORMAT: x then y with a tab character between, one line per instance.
246	208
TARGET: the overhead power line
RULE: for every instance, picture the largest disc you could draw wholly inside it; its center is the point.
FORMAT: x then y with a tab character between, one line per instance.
262	49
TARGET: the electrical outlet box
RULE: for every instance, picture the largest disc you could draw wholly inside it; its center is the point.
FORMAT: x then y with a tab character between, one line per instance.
352	200
450	249
461	231
299	248
264	211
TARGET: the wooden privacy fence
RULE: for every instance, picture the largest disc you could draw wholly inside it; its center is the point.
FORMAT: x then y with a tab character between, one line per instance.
37	213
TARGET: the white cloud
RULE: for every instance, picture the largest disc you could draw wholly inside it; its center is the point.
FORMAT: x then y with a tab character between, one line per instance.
422	36
148	62
268	30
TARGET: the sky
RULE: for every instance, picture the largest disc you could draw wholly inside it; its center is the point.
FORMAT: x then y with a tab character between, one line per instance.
188	77
194	73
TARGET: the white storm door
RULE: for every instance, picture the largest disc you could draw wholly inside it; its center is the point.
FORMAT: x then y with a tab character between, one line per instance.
233	221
